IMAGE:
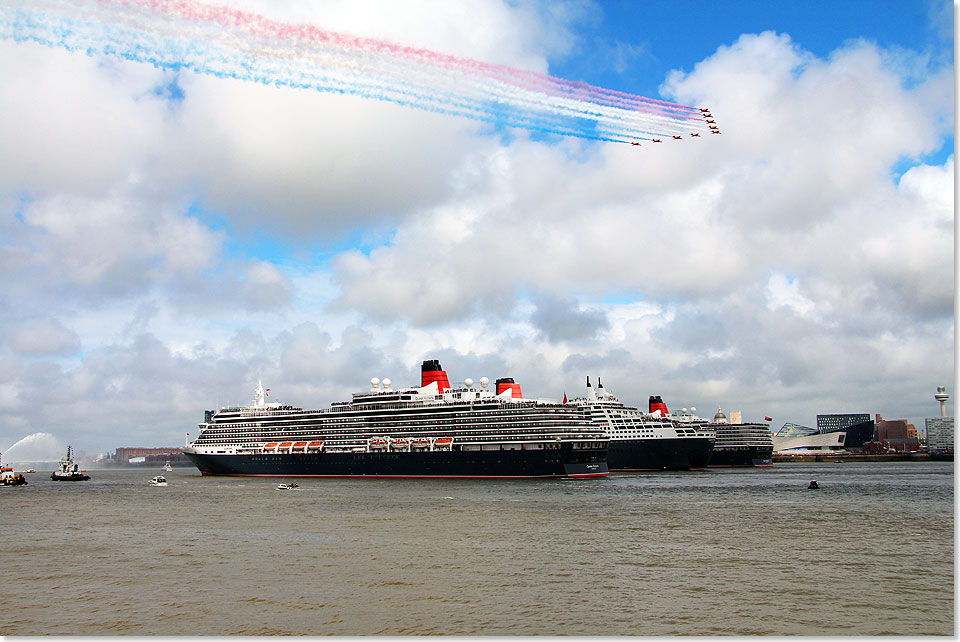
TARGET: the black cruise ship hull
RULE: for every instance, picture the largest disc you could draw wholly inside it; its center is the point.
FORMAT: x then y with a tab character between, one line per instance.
562	462
659	454
738	457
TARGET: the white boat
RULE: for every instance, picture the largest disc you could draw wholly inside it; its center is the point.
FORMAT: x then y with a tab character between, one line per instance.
159	480
167	467
68	470
288	486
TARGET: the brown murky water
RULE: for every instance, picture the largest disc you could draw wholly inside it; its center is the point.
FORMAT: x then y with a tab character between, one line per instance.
732	551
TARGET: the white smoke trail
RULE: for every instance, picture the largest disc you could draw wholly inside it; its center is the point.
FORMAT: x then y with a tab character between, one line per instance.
230	44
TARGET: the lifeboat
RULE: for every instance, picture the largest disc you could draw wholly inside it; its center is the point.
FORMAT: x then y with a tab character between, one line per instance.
284	445
271	446
399	444
378	444
300	445
443	441
420	443
315	445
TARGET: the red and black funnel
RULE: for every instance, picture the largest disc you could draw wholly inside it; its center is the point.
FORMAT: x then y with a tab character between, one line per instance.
431	371
656	403
507	383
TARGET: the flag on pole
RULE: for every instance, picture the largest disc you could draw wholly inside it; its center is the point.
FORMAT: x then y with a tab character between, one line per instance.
768	418
564	397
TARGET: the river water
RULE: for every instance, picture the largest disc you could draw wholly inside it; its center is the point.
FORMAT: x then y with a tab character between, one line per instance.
718	552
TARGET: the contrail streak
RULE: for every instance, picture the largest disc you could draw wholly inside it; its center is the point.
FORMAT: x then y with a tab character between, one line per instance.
227	43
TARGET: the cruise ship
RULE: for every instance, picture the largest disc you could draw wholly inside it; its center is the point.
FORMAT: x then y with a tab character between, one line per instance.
433	430
740	444
640	441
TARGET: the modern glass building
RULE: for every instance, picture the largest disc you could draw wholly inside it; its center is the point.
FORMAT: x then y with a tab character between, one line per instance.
836	423
796	430
940	434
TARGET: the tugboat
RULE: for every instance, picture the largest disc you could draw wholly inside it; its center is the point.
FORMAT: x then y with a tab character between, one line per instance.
68	471
10	478
159	480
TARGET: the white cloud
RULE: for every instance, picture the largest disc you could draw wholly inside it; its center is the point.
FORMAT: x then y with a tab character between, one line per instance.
42	336
784	292
72	122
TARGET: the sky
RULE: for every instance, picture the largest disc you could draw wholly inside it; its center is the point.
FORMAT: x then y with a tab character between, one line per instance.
168	237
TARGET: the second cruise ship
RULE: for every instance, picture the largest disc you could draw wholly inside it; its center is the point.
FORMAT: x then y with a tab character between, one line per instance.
640	441
735	444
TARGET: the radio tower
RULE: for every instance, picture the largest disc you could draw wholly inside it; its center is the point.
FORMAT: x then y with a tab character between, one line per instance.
942	397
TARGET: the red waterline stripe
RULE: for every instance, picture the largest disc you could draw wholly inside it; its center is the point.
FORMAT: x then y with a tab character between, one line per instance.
204	474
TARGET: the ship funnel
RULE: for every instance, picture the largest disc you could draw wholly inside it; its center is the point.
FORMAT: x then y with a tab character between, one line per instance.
507	383
431	371
656	403
591	393
601	391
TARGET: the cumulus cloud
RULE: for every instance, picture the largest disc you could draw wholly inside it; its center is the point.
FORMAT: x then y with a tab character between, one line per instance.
42	336
266	287
564	319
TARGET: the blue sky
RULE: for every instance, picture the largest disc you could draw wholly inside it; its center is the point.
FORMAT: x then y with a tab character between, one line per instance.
171	237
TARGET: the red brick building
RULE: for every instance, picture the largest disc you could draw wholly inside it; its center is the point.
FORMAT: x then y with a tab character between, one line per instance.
123	455
898	433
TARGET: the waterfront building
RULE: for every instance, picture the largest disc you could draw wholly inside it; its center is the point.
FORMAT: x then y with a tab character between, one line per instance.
813	442
859	427
939	434
123	456
898	434
940	429
795	430
836	423
796	439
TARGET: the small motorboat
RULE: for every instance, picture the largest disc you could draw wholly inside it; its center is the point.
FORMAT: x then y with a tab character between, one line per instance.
814	485
288	486
159	480
167	468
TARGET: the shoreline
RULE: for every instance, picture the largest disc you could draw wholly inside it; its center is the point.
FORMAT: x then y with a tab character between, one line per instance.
851	457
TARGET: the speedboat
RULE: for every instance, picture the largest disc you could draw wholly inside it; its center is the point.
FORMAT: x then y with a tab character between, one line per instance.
288	486
159	480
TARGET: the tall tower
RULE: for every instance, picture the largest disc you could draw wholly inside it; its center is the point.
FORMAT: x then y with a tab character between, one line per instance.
942	397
